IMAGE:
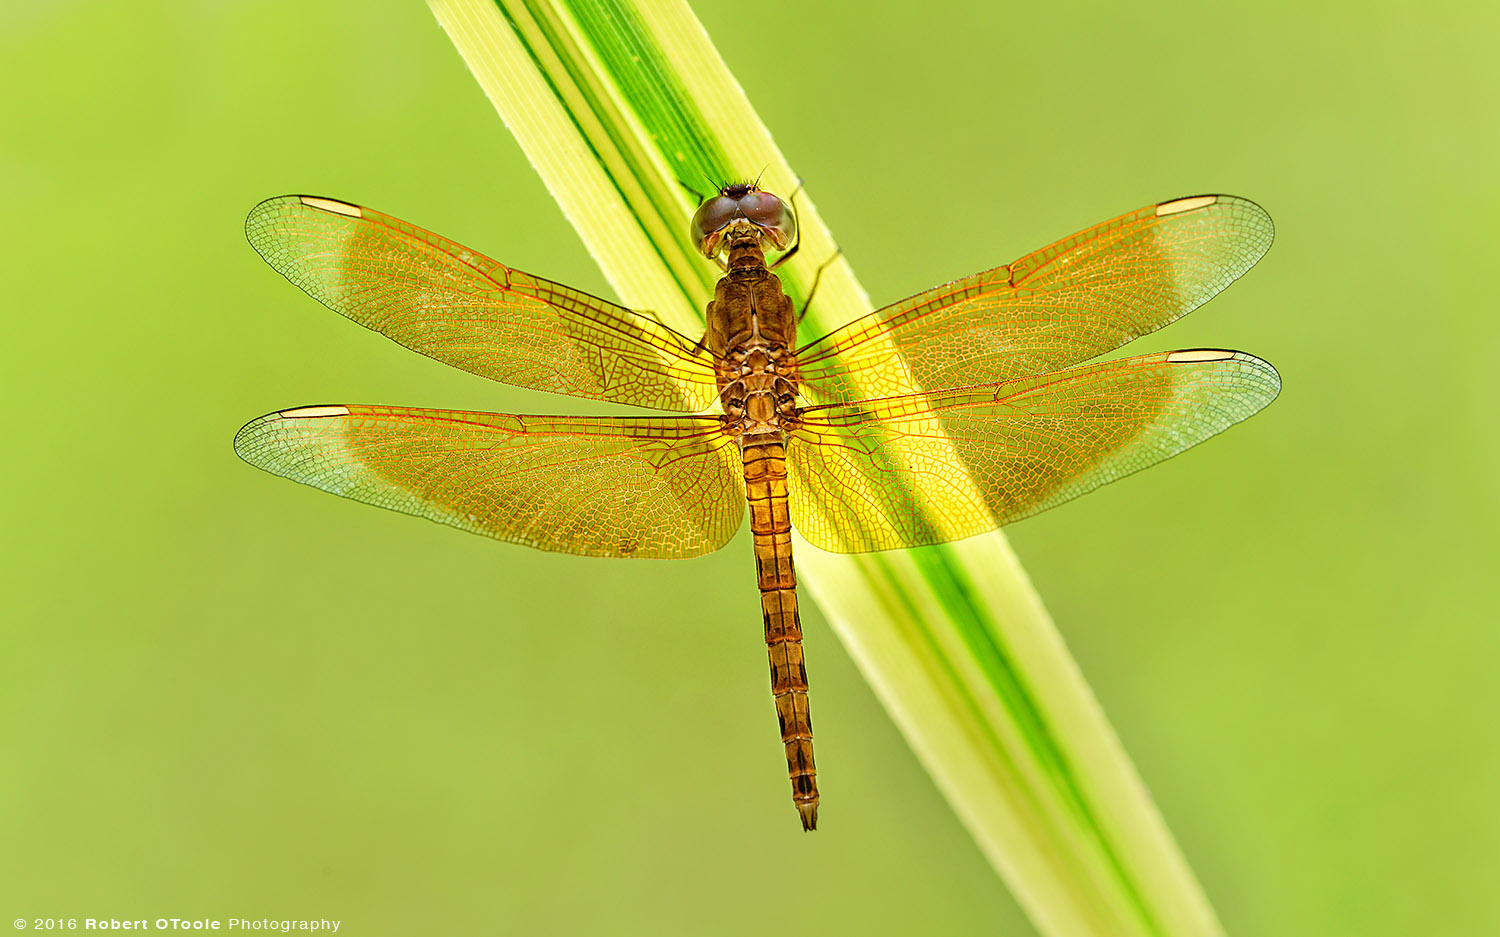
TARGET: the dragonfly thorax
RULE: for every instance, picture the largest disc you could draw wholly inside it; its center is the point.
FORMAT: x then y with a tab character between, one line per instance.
752	331
759	403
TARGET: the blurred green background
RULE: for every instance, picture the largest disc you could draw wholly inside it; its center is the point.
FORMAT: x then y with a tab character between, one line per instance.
225	695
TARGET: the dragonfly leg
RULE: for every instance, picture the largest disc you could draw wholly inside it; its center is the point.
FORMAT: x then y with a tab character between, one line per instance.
712	187
797	244
838	252
652	315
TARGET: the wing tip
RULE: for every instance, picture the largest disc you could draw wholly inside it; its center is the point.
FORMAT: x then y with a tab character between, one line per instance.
257	218
245	437
1269	376
1250	226
1235	203
249	438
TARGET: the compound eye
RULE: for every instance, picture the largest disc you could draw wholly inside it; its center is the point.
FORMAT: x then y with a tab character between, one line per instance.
763	208
710	219
771	215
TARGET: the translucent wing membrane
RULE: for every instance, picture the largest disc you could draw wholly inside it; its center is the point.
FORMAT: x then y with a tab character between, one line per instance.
598	487
891	472
462	308
1081	297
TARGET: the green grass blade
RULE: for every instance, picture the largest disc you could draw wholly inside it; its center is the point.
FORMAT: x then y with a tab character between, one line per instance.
620	104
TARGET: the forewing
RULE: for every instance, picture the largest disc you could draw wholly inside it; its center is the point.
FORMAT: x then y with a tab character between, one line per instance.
460	307
1078	298
596	487
933	467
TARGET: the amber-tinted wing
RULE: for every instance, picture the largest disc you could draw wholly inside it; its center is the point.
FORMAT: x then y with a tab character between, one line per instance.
462	308
597	487
1066	303
932	467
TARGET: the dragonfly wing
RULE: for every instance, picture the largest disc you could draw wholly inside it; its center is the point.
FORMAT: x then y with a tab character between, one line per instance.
933	467
1078	298
460	307
596	487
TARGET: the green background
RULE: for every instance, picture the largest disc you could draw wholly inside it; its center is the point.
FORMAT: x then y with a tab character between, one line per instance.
225	695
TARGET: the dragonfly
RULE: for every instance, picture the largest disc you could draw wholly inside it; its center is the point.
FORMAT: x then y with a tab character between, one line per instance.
939	417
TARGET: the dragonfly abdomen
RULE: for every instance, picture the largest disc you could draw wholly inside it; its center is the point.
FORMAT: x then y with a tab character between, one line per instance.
770	524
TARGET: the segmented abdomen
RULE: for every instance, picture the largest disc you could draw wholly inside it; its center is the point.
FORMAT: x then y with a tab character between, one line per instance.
770	523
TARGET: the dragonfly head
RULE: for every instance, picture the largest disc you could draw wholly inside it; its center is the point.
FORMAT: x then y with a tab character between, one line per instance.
743	208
